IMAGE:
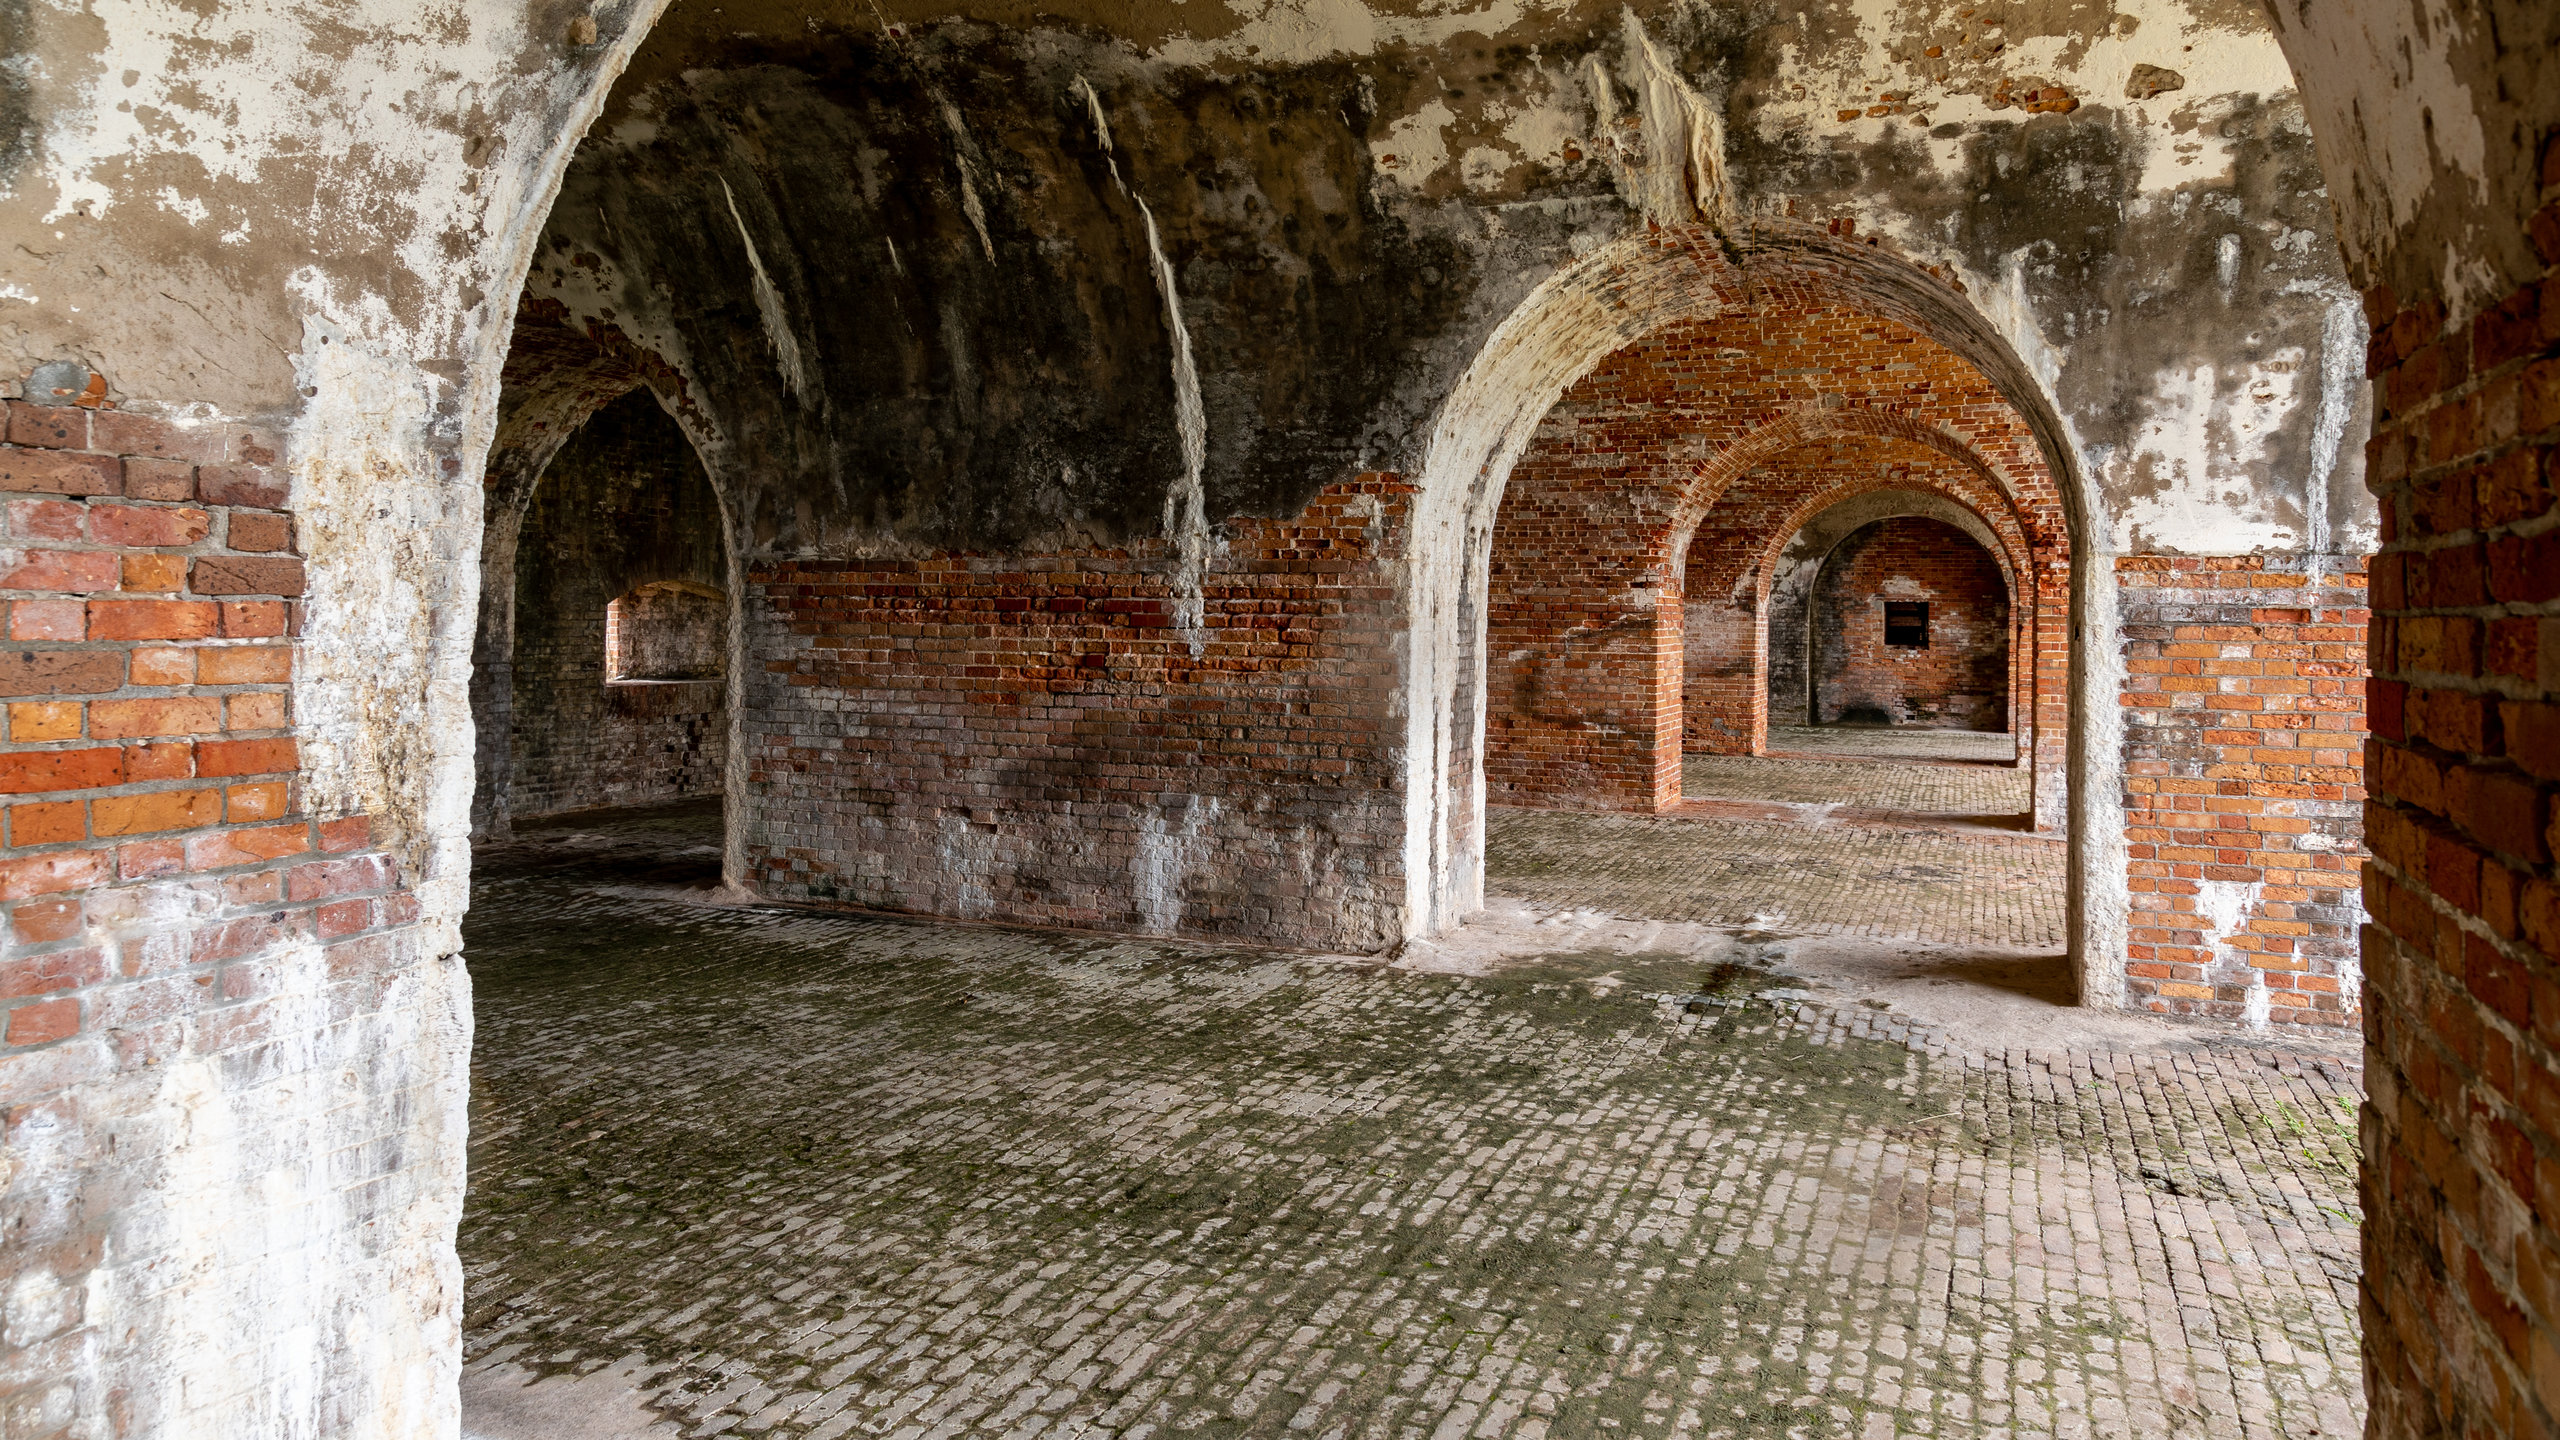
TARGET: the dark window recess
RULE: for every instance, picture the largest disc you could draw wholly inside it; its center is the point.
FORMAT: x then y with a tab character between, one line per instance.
1906	623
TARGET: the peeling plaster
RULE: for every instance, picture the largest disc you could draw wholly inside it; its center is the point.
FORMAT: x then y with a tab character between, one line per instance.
1298	32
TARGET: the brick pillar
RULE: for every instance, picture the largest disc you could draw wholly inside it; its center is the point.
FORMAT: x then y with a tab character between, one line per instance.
2462	963
1668	662
207	991
2045	743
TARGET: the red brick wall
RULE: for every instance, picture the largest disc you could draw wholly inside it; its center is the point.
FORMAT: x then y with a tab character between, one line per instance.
2462	960
2244	789
174	909
1035	737
1960	681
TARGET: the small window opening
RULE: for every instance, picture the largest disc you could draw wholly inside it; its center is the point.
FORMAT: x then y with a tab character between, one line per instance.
1906	623
673	630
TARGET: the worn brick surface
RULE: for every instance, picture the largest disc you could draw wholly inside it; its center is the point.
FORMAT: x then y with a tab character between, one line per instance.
1053	738
2244	707
817	1176
156	941
2462	958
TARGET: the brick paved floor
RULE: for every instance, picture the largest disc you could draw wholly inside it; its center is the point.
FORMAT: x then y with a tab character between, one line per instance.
1914	788
763	1172
1878	743
1898	882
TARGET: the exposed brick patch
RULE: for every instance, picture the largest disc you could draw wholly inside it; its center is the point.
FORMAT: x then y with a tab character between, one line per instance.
154	839
2462	960
2244	716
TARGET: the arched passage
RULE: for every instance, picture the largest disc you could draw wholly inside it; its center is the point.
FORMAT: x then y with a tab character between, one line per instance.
1753	563
1906	625
1665	293
558	379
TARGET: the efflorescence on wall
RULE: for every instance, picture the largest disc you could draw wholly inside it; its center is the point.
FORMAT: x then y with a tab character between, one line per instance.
2244	791
1036	737
213	1038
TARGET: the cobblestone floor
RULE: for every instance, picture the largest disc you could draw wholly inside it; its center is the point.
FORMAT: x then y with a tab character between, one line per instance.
1897	883
1918	789
762	1172
1877	743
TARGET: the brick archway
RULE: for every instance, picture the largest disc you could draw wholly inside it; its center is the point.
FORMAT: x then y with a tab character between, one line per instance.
1589	594
556	377
1727	706
1568	327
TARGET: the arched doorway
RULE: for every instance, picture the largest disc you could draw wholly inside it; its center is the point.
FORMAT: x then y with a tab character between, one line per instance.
1576	501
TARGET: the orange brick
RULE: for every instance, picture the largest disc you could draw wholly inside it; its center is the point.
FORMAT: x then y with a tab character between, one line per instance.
245	757
36	771
168	760
48	822
263	710
264	800
151	619
253	619
247	847
38	720
165	574
163	665
150	814
169	715
247	665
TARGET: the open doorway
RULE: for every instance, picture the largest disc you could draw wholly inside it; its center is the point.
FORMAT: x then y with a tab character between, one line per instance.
604	671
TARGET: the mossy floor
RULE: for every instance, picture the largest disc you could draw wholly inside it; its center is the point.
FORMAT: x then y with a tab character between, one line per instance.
794	1174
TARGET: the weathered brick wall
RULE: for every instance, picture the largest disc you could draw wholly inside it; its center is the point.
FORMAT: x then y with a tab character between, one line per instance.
1960	680
2244	789
1042	738
623	505
2462	960
1614	538
214	1039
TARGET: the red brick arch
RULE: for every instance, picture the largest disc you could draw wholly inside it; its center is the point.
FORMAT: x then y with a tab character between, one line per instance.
1585	658
1726	669
2028	498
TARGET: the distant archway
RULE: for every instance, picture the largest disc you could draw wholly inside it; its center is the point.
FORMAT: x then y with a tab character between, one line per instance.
1611	299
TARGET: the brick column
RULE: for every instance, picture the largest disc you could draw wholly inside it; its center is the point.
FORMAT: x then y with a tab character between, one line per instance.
207	991
2462	962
